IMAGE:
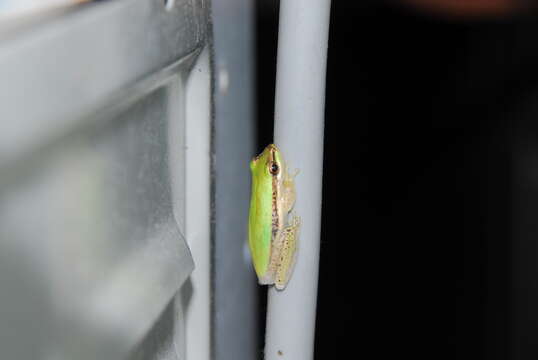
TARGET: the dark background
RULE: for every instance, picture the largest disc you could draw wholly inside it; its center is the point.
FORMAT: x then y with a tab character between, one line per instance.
429	235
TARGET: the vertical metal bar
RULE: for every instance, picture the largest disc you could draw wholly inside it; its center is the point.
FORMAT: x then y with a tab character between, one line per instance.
234	297
299	120
198	130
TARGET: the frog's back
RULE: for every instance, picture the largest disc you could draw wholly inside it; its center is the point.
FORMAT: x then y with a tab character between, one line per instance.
260	216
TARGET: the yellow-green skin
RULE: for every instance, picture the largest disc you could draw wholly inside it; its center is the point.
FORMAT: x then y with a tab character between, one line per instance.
272	239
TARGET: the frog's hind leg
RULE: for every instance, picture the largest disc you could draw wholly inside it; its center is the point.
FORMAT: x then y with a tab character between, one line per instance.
286	260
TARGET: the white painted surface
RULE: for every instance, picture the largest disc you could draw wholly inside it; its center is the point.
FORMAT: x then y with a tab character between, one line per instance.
299	120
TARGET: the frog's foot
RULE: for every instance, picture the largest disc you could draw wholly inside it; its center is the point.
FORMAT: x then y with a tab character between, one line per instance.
295	220
287	256
294	174
267	279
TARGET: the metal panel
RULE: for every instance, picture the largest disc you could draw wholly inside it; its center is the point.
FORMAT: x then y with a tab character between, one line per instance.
54	72
92	181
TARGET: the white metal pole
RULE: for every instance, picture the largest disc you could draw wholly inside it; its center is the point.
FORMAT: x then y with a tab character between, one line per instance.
299	123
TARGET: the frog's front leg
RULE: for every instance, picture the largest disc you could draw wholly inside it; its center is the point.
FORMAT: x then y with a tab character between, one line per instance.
287	196
286	260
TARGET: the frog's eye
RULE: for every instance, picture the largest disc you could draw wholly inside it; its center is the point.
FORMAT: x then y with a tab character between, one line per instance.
273	168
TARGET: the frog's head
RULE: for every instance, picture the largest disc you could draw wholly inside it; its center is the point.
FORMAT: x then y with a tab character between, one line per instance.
269	163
